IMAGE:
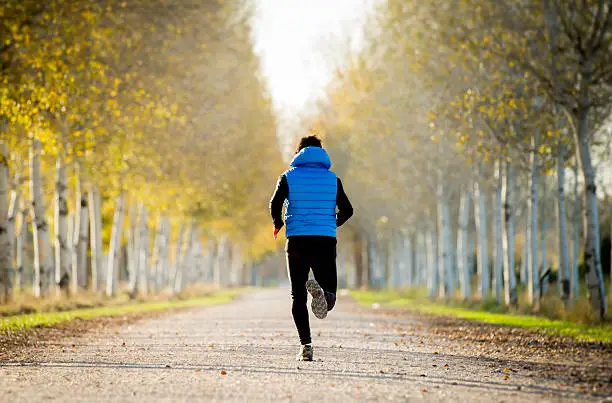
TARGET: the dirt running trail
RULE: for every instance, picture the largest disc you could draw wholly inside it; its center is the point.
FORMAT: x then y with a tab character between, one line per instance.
244	351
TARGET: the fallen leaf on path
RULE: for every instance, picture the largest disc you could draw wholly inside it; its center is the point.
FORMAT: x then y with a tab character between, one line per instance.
506	377
223	372
445	365
425	390
198	370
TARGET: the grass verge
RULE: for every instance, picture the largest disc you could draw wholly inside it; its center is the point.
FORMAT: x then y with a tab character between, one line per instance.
45	319
395	299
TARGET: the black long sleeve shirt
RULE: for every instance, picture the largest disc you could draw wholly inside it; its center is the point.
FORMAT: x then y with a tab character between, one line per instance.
345	209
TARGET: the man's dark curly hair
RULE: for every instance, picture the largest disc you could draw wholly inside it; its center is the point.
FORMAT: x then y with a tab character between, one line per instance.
309	141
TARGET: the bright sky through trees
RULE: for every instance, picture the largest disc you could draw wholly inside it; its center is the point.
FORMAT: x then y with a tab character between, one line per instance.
296	40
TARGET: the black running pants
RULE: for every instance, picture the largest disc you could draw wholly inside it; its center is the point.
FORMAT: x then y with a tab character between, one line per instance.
304	253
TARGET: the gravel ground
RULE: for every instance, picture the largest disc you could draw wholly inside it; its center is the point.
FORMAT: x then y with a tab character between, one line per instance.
244	351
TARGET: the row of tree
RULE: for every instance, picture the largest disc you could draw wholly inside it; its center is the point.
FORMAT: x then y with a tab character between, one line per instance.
461	120
147	125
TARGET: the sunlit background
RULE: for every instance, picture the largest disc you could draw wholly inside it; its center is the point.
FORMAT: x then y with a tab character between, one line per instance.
142	143
300	44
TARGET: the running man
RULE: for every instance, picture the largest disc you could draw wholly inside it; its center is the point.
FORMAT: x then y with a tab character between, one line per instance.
310	193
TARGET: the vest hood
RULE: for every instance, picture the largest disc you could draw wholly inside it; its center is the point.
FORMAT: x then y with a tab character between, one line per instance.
312	157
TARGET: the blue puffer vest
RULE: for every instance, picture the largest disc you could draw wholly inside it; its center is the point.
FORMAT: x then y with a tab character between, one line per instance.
311	205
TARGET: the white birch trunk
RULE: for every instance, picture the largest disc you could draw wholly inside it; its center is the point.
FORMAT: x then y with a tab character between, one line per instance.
533	273
210	251
498	262
43	259
480	215
81	229
178	258
215	263
112	266
132	251
166	258
72	269
143	252
157	261
62	256
543	235
20	239
510	297
564	268
471	255
95	236
462	245
444	244
525	263
410	266
5	242
592	258
575	280
13	213
432	262
187	262
423	256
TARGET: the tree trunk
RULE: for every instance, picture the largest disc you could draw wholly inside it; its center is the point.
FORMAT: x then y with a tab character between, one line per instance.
81	228
5	243
210	252
592	258
132	249
564	268
432	262
158	246
143	252
498	262
42	246
368	260
445	283
216	271
533	273
422	256
462	245
358	252
112	266
95	236
525	263
510	297
480	214
72	268
409	262
576	212
543	234
13	213
165	271
19	246
62	256
178	260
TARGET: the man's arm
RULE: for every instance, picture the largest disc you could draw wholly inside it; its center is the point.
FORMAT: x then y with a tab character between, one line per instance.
345	209
276	203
